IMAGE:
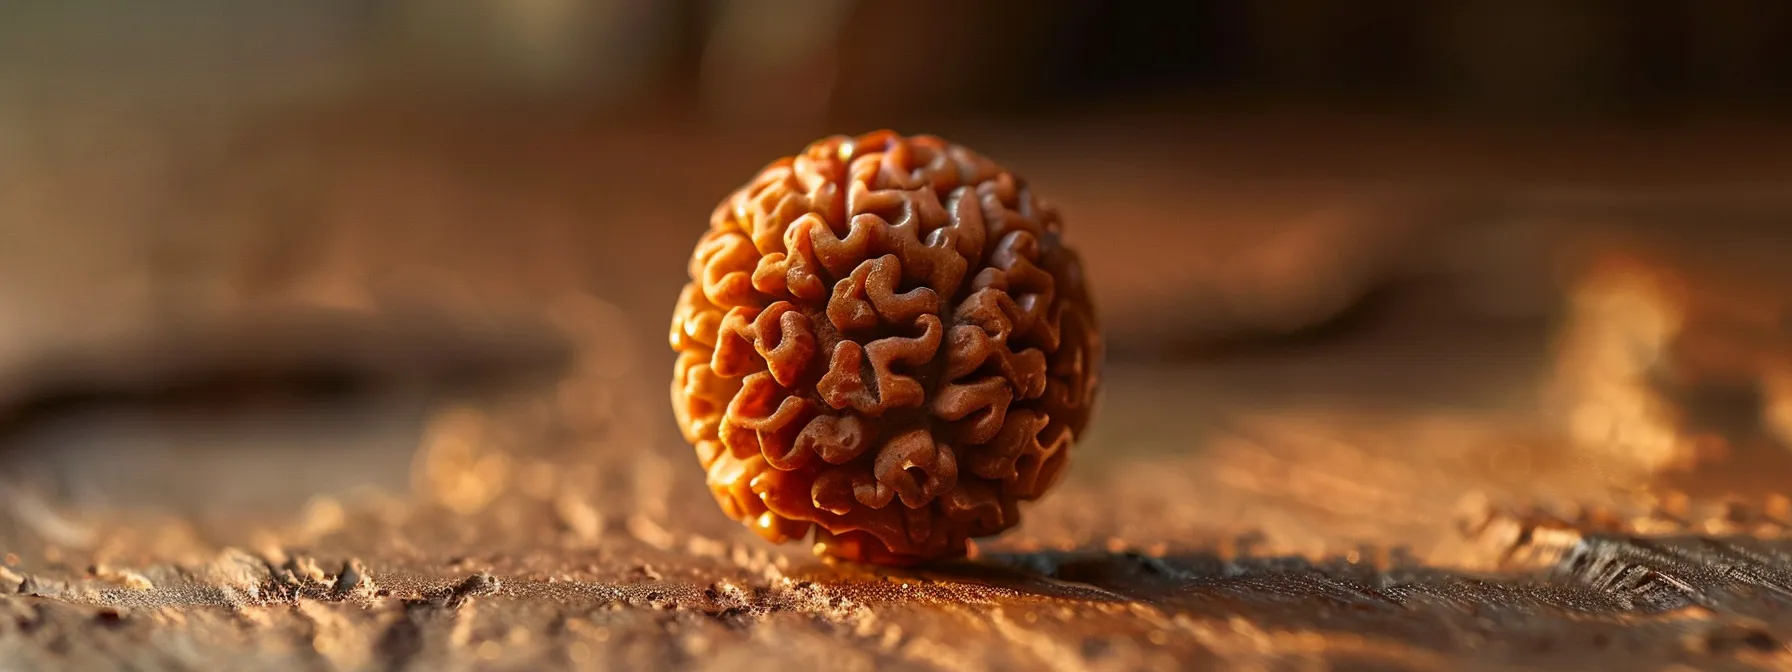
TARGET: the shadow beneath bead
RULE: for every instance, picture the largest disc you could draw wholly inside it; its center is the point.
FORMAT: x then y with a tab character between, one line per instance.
1097	575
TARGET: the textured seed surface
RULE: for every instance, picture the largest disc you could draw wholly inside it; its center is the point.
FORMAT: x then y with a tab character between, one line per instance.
886	340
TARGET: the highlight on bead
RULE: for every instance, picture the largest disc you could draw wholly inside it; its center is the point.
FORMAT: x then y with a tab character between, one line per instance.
884	341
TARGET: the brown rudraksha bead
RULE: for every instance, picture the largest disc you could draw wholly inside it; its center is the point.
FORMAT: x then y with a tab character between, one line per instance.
886	339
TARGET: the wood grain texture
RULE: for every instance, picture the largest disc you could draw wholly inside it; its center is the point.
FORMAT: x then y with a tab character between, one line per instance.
1386	492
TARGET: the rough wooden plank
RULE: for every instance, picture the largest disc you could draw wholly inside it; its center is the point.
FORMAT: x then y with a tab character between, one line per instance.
1385	497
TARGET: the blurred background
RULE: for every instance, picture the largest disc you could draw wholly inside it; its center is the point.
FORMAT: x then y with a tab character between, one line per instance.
249	249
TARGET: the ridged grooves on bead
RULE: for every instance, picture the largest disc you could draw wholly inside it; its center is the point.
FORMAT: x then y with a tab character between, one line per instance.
884	339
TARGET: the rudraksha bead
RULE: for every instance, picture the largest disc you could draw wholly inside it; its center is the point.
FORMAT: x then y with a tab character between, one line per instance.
884	339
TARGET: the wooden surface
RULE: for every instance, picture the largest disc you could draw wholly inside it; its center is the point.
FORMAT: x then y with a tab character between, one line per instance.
1327	439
